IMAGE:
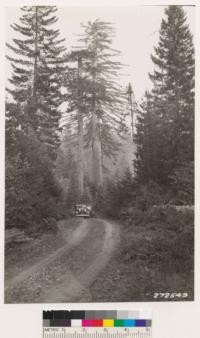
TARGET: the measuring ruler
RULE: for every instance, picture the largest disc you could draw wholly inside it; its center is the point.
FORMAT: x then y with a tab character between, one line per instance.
73	332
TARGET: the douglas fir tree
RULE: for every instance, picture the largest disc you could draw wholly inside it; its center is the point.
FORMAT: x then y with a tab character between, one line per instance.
105	99
173	101
32	120
37	63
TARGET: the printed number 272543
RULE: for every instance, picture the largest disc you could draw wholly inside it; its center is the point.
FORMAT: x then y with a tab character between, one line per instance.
170	295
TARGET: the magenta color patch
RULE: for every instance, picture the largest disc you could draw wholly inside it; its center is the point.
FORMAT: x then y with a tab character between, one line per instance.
86	322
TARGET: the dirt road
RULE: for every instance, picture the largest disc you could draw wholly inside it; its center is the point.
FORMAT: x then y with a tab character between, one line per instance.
67	274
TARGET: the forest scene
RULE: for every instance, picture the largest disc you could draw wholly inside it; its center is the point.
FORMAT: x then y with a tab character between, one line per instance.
76	134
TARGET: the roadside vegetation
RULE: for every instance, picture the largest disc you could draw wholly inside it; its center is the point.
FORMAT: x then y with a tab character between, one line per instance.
156	252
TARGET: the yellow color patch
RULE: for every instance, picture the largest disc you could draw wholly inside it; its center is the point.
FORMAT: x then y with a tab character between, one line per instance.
108	322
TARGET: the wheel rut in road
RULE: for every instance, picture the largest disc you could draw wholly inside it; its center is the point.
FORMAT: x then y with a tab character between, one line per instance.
77	236
66	274
76	282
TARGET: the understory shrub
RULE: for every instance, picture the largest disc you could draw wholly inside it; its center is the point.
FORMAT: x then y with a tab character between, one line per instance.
32	193
165	240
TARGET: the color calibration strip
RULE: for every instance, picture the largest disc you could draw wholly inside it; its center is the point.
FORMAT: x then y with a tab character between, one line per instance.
97	318
97	323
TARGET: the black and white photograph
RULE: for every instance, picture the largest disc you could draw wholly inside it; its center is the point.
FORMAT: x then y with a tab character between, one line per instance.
99	154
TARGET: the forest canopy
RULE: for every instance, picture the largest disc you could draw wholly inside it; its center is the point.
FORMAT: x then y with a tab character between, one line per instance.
103	147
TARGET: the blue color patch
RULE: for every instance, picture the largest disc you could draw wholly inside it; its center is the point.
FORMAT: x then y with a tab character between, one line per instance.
140	323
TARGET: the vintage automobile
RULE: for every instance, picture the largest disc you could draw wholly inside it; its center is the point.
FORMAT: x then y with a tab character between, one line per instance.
82	210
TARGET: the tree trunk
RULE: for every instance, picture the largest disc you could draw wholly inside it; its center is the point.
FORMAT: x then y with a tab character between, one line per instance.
34	100
80	137
97	176
80	155
35	53
96	152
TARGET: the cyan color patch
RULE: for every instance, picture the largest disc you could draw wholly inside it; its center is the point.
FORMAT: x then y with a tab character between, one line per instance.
129	323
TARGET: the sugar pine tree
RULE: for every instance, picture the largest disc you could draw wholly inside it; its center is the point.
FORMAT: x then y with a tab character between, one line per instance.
165	128
37	64
104	98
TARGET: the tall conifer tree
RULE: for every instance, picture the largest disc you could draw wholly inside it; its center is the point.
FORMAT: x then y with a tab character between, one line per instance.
172	107
173	80
37	63
76	98
105	99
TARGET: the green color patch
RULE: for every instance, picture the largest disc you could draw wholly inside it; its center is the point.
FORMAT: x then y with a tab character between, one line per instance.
118	322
